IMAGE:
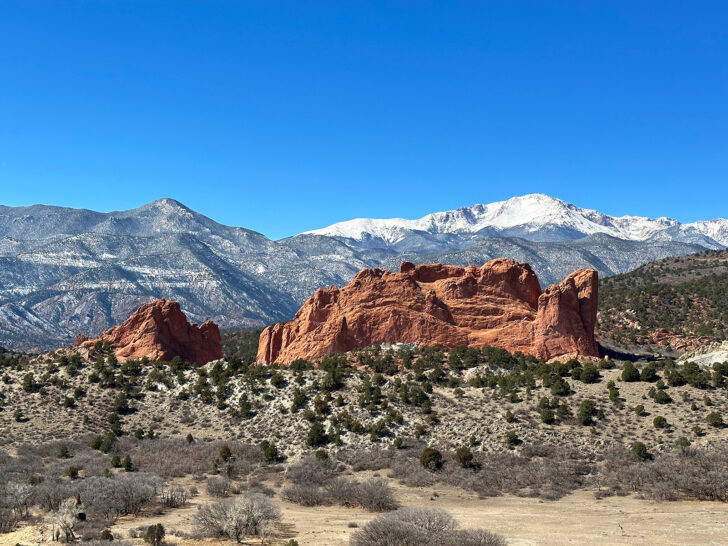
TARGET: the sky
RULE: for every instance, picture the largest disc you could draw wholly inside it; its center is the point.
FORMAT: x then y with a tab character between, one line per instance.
288	116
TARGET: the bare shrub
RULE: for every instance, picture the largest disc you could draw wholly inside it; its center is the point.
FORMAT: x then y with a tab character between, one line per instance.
250	514
304	494
118	496
549	477
411	473
420	527
373	494
406	527
218	487
376	495
66	517
343	491
8	519
680	474
473	537
50	493
369	459
174	496
17	497
174	457
312	470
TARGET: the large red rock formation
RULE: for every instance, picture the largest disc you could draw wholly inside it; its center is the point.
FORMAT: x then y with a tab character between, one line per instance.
159	331
499	304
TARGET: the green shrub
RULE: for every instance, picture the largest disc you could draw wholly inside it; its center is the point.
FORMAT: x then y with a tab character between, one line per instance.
649	373
431	458
225	452
661	397
126	464
606	364
512	439
270	454
682	442
714	419
277	380
547	416
659	422
317	435
640	451
563	412
72	472
246	408
116	461
630	373
560	387
639	409
590	374
107	442
299	400
154	535
62	451
464	457
587	408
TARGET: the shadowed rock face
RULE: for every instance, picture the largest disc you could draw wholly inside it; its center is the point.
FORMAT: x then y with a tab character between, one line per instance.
499	304
159	331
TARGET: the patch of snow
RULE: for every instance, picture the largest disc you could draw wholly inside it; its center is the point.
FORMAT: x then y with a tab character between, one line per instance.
707	355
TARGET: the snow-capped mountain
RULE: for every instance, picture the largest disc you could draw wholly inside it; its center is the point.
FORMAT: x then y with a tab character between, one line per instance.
69	271
536	217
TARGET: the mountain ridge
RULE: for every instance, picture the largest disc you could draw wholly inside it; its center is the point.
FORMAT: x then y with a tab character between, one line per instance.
526	214
67	271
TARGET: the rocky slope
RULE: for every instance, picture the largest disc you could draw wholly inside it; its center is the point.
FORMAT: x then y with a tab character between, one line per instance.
498	304
159	331
68	271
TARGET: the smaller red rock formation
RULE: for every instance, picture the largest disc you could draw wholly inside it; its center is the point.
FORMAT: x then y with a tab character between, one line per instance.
79	340
159	331
675	341
499	304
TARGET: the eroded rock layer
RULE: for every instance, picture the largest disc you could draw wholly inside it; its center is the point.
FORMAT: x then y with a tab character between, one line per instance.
499	304
159	331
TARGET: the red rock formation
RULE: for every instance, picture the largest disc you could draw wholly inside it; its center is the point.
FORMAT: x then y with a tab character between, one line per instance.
159	331
498	304
677	342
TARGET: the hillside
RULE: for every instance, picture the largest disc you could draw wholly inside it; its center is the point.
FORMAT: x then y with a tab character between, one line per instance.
142	443
686	295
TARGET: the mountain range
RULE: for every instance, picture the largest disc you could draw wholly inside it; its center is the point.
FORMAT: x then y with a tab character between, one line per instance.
69	271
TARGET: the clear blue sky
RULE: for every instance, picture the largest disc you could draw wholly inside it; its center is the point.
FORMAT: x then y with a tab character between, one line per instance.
287	116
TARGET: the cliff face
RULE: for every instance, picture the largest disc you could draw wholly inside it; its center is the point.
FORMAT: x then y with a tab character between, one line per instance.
159	331
499	304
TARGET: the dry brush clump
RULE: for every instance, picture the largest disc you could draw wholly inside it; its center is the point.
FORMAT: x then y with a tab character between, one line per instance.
175	457
420	527
251	514
683	473
316	482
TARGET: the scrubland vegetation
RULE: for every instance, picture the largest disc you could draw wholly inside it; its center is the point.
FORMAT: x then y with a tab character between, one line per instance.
88	442
687	295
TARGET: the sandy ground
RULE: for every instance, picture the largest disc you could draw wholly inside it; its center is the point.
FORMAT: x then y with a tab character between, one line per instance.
576	519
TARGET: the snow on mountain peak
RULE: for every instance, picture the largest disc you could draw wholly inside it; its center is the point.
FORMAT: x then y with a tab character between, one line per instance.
527	216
